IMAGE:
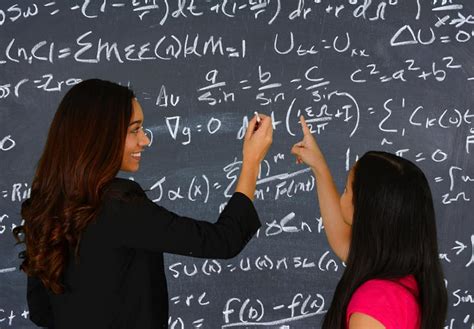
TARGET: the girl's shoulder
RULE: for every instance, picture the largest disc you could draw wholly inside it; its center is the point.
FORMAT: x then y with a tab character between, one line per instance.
390	301
380	288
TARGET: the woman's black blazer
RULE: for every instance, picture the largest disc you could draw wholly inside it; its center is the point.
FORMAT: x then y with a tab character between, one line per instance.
119	279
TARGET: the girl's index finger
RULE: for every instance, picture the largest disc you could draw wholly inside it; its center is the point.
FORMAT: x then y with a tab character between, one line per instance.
304	126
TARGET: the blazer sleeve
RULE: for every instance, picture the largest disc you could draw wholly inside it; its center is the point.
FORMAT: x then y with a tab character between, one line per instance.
40	311
140	223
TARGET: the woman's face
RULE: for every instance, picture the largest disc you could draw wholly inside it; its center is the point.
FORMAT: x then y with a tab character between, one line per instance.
136	140
347	207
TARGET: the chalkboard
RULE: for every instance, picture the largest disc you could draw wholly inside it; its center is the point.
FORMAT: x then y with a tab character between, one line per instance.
384	75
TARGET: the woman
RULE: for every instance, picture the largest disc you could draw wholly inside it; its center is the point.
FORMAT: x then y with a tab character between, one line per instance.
94	242
383	227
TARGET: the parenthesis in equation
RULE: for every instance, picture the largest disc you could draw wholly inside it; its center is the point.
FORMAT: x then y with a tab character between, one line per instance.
457	121
261	167
277	12
329	262
346	94
260	262
191	185
252	312
211	267
17	86
287	121
207	188
167	10
198	189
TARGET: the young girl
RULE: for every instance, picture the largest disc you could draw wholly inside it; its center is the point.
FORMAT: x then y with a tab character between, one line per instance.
383	227
94	242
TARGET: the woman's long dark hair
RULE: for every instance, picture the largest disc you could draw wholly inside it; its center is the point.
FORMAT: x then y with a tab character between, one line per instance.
393	235
83	152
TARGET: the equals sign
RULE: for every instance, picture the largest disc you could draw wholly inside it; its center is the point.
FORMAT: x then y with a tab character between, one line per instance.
199	128
297	80
445	39
371	110
232	52
5	194
438	179
175	300
243	82
198	323
217	186
65	52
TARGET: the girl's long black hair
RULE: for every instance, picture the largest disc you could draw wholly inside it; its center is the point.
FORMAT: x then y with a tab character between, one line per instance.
393	235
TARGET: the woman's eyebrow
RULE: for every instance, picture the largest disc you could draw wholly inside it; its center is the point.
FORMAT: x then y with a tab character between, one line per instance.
134	122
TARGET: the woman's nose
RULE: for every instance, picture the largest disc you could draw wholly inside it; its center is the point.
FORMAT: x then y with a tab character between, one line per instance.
144	140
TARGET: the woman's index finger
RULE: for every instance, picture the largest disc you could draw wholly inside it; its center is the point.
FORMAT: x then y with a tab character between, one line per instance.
251	127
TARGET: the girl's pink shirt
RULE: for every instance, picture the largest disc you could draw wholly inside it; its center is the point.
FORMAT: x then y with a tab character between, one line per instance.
394	303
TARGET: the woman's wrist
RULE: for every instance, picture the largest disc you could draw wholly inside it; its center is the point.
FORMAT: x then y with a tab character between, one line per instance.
248	179
250	169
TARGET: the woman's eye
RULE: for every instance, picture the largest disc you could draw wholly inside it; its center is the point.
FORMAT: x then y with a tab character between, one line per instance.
135	131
